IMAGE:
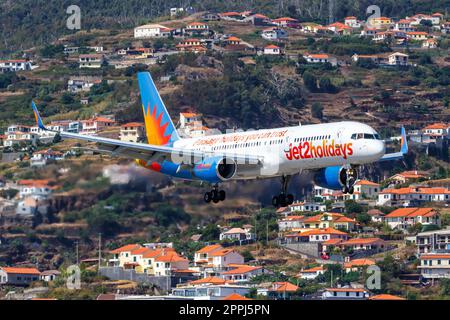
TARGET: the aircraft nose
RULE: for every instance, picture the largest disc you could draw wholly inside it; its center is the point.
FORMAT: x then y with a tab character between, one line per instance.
378	148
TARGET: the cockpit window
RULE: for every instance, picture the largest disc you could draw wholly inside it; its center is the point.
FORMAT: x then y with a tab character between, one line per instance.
371	136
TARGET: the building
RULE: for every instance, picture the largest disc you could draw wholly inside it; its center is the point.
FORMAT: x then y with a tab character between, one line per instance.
405	25
204	255
345	294
168	262
433	241
317	58
121	255
316	235
340	28
197	28
290	222
417	35
30	206
385	297
311	273
236	234
152	31
436	130
236	16
403	218
14	65
376	215
20	139
365	244
79	84
272	50
385	59
91	60
209	291
43	157
278	290
357	264
223	258
189	118
38	189
412	196
329	220
431	43
307	206
49	275
286	22
274	33
18	276
352	22
65	125
408	177
366	189
435	265
95	125
191	45
243	273
132	132
380	22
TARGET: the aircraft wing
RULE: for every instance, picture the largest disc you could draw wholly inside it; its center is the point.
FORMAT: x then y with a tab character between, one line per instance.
149	152
401	153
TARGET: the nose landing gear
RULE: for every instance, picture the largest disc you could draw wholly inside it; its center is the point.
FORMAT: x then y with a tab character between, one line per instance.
348	178
215	195
283	199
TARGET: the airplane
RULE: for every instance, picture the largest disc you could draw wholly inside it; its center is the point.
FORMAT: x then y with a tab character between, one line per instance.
333	152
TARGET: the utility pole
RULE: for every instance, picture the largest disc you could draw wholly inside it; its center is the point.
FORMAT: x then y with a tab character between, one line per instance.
267	232
99	250
331	281
78	256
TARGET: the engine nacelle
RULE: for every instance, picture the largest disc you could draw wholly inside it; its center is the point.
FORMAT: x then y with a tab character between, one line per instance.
216	169
333	177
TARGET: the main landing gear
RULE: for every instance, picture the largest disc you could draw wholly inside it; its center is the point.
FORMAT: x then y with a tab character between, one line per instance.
350	176
215	195
283	199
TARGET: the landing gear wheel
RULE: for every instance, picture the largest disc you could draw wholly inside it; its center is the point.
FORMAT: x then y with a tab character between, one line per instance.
222	195
351	190
289	199
345	191
215	196
207	197
275	201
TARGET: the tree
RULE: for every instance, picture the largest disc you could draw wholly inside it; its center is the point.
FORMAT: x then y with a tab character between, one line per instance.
211	233
310	81
351	206
317	110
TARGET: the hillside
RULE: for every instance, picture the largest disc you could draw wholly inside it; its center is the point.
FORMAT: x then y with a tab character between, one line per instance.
27	23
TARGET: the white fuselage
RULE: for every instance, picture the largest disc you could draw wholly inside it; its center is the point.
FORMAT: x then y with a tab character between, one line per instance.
290	150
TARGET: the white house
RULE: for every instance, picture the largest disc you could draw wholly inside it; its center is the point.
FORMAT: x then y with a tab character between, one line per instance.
412	195
345	294
366	189
79	84
204	255
433	241
403	218
92	61
307	206
290	222
14	65
152	31
132	132
274	33
352	22
236	234
243	273
435	265
18	276
223	258
95	125
49	275
272	50
311	273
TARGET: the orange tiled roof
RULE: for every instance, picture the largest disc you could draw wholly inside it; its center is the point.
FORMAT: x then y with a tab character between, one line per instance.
19	270
420	190
367	183
236	296
344	219
233	39
138	251
419	33
133	124
386	297
331	242
170	256
437	126
435	256
318	56
322	231
314	269
284	19
242	269
128	247
220	253
210	248
359	263
284	287
361	241
272	46
411	212
208	280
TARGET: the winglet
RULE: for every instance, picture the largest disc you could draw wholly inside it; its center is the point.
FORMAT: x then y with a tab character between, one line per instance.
37	116
404	143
